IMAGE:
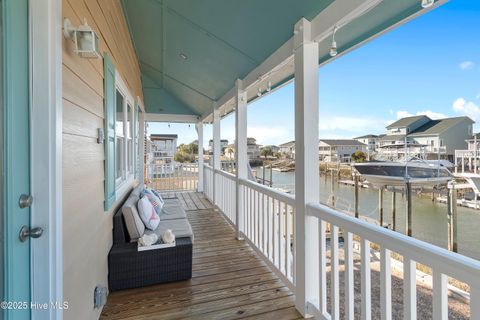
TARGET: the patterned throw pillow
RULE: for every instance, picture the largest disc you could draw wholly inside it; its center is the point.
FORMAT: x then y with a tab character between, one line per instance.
148	214
158	195
154	200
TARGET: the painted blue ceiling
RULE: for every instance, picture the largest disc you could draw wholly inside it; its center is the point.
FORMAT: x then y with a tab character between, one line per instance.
223	40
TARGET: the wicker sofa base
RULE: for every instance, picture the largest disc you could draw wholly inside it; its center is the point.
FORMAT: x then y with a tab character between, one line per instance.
129	268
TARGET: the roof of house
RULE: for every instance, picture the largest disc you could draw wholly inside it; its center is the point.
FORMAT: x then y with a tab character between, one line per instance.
342	142
392	137
366	136
287	144
407	121
435	127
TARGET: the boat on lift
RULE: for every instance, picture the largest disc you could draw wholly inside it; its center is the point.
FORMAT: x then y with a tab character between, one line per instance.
417	171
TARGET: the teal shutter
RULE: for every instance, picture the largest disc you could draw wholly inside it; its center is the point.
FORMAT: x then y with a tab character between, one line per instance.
135	142
109	111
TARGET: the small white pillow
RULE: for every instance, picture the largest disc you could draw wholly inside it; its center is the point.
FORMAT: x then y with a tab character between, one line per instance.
148	214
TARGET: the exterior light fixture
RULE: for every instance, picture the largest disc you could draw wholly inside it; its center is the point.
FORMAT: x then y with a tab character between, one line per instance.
269	86
333	48
84	39
259	92
183	56
427	3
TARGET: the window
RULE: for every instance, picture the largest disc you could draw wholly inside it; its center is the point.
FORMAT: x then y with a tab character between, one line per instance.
124	133
129	137
120	138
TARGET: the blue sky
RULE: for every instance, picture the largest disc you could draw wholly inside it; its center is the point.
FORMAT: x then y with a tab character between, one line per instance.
430	65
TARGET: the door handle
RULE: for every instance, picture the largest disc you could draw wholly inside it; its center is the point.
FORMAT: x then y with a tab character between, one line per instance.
25	201
26	232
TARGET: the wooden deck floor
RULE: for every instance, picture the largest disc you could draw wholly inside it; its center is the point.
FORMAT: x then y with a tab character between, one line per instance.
229	280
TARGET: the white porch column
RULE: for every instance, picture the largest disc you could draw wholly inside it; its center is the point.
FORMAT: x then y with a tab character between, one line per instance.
216	148
307	174
141	147
199	127
240	154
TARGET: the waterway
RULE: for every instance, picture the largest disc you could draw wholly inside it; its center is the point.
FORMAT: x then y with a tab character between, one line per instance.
429	219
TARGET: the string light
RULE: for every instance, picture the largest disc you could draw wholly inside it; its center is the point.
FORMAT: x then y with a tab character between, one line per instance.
427	3
333	48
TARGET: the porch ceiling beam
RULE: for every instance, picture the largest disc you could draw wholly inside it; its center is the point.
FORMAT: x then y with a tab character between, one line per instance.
174	118
339	12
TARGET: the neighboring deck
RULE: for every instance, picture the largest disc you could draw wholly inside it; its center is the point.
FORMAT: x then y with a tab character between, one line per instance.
229	280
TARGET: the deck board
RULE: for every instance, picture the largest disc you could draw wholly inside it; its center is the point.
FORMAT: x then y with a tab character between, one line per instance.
229	280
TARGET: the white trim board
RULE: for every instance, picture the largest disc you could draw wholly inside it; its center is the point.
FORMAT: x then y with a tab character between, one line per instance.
174	118
46	154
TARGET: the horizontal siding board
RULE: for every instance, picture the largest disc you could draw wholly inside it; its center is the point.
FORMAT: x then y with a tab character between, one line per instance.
78	92
81	122
87	228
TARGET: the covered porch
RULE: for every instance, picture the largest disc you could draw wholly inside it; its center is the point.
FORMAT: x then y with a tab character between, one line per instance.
258	252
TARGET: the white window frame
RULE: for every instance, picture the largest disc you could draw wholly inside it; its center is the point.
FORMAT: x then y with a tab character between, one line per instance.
128	100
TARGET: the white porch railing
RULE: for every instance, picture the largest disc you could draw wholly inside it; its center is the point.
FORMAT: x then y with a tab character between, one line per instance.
208	182
172	176
225	194
269	217
443	263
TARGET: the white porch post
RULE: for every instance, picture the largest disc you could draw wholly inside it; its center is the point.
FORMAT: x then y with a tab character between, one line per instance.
141	147
216	148
240	154
307	175
199	127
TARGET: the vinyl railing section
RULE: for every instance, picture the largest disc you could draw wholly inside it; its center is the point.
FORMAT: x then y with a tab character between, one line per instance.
347	247
225	194
363	239
208	182
269	217
172	176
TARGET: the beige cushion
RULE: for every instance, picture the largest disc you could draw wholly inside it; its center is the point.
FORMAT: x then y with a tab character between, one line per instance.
180	228
137	191
134	224
170	212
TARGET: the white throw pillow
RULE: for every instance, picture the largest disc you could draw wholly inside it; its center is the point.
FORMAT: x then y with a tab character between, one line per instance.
148	214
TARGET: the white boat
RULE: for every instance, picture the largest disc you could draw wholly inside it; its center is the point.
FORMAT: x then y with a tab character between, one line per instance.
396	173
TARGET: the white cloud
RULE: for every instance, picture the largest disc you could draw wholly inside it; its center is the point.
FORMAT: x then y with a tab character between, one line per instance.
467	65
468	108
351	124
429	113
432	114
403	114
270	135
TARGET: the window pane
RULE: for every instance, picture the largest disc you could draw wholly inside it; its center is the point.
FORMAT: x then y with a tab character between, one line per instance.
119	115
119	158
129	121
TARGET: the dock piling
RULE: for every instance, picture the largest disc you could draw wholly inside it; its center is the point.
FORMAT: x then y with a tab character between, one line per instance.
452	218
394	211
356	195
380	205
408	191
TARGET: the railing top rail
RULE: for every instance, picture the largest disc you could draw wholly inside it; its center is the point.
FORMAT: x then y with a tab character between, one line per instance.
207	166
228	175
284	197
441	260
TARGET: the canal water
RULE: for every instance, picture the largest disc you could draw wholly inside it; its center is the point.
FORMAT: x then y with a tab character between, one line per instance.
429	218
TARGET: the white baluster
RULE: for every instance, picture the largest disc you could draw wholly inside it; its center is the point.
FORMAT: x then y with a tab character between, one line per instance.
335	286
349	281
409	289
440	296
385	284
366	281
